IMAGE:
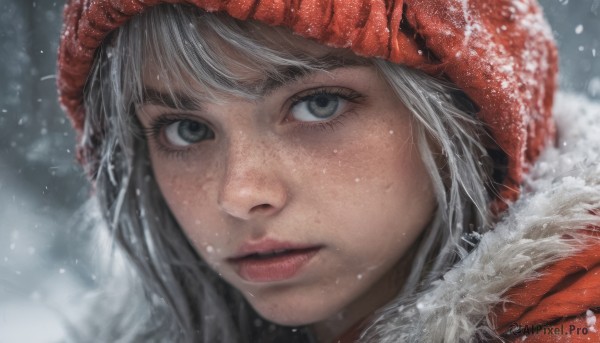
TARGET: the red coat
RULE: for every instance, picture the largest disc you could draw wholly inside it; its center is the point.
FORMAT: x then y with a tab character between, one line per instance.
556	306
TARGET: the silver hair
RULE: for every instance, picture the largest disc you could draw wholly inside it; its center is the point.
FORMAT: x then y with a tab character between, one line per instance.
186	301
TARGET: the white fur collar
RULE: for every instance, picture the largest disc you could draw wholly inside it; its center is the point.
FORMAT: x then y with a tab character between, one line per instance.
556	198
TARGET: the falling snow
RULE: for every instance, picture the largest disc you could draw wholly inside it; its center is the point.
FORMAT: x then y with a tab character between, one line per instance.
590	320
42	262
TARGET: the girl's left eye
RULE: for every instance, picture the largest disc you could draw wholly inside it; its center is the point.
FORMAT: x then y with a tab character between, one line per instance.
318	107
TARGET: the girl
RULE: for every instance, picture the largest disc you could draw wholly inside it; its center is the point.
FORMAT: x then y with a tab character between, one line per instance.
321	171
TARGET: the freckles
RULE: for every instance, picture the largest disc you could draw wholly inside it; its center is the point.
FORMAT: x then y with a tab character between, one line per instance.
186	188
191	197
388	187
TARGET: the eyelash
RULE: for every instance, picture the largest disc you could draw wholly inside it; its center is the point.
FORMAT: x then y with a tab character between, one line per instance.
344	93
156	129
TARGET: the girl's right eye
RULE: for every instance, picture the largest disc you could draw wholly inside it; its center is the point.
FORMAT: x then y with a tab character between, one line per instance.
181	133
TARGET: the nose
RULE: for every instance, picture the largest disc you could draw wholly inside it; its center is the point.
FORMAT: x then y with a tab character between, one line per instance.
251	187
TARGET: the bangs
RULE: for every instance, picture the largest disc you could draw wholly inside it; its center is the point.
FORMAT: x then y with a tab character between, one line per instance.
178	44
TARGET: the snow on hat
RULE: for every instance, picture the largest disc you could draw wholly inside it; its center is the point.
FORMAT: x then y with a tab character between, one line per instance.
500	53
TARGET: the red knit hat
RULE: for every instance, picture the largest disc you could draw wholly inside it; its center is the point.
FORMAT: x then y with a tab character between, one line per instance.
500	53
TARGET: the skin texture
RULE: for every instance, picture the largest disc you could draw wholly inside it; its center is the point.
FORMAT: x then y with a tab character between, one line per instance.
352	183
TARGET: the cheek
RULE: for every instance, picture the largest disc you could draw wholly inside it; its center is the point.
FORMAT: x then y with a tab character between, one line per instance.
381	166
187	192
387	197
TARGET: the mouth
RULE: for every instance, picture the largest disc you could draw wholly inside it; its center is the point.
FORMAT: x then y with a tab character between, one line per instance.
273	265
270	254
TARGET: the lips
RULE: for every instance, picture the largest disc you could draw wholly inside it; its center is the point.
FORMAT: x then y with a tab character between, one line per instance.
270	260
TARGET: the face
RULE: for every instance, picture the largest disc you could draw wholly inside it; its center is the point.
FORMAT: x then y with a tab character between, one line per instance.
305	199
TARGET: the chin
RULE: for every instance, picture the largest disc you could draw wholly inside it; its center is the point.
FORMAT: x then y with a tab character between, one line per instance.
288	321
288	316
293	314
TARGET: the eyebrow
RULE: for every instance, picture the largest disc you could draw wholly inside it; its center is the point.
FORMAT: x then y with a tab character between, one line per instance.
171	99
327	63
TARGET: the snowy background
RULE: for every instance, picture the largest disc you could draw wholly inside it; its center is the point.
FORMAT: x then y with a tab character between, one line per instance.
44	261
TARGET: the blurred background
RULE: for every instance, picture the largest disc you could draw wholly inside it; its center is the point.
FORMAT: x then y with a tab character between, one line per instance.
44	261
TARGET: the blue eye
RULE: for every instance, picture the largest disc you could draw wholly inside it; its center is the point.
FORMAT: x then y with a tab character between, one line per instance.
186	132
318	107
